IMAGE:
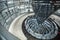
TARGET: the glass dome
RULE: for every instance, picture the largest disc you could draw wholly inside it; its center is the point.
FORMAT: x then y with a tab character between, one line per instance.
16	18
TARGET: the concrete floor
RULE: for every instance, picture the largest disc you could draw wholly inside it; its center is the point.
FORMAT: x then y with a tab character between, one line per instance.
16	26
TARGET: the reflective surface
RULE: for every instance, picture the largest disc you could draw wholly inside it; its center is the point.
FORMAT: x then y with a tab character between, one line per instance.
46	30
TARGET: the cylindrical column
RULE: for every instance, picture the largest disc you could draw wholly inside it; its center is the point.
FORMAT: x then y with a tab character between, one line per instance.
42	9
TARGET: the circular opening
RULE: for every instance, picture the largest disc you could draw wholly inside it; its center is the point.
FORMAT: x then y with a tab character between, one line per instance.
46	30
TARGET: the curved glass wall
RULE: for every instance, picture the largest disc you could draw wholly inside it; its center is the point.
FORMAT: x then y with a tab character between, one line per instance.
10	9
